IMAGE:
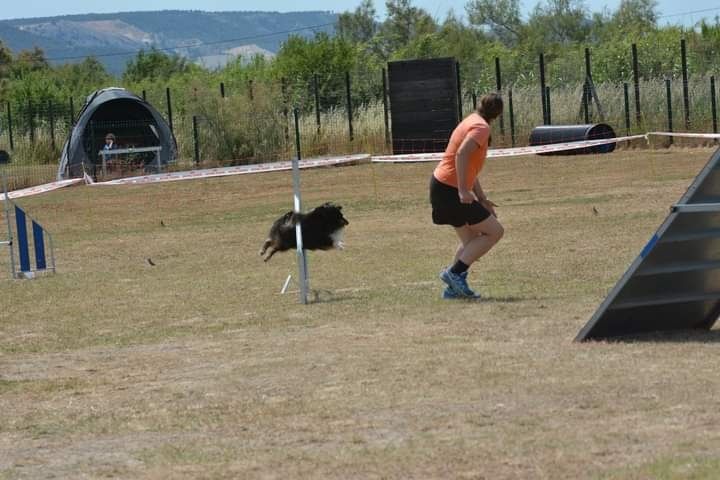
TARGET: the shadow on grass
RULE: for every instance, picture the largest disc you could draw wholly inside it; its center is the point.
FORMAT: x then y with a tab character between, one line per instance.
328	296
671	336
504	299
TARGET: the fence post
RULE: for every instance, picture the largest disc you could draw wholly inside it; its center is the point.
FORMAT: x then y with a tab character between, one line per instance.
31	121
669	107
196	140
144	96
283	90
474	100
542	89
385	107
250	90
349	105
169	109
316	91
713	103
51	112
585	102
459	91
72	113
498	85
588	73
512	117
547	101
10	127
636	81
686	94
626	96
222	89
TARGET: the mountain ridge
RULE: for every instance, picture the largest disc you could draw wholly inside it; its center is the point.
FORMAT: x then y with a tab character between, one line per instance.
115	38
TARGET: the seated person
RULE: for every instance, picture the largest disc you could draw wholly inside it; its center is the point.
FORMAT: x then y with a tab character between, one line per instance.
111	161
110	142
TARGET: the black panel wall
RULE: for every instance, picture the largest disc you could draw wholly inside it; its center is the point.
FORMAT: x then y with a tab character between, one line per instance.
423	104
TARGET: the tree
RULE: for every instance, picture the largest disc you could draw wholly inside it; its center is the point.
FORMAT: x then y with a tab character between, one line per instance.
359	26
29	61
560	21
83	77
154	65
636	15
403	24
299	59
500	17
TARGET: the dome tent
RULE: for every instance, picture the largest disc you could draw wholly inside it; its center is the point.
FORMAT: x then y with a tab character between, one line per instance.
132	120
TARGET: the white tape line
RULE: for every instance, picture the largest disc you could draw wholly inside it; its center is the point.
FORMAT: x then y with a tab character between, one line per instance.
239	170
685	134
48	187
508	152
343	160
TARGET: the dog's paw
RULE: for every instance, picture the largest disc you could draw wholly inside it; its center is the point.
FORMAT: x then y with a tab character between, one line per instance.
340	245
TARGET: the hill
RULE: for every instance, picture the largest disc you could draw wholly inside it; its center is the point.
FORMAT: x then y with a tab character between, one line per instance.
115	38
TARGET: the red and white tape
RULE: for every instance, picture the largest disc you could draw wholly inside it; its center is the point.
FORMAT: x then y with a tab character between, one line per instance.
507	152
686	135
342	160
48	187
239	170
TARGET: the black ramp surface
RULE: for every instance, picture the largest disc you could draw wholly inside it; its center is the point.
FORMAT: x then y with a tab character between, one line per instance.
674	284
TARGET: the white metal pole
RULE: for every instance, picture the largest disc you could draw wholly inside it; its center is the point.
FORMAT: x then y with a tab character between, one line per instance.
302	260
298	233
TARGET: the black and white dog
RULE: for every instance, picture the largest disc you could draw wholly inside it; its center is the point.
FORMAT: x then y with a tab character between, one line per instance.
322	229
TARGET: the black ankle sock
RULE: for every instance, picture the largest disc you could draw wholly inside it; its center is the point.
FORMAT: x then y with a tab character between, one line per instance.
459	267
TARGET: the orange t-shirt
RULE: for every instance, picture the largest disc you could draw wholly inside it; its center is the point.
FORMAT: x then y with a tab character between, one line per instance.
476	128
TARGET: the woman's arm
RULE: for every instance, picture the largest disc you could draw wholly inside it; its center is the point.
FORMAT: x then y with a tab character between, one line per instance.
483	199
462	161
479	191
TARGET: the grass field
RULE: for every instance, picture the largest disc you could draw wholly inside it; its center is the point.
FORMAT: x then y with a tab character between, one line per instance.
198	367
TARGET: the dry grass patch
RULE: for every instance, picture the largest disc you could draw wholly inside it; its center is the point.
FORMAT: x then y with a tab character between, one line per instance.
198	368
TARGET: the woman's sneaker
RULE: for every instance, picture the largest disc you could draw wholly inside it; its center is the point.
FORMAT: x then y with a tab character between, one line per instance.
449	294
457	285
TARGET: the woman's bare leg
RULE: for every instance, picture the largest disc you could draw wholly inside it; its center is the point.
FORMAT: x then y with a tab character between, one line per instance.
466	235
476	240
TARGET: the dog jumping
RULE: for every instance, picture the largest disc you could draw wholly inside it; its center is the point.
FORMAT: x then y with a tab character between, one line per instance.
322	229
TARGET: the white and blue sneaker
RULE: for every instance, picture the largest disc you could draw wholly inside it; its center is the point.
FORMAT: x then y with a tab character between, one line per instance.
457	286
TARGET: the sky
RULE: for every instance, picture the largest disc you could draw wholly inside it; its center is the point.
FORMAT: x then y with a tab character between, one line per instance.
671	11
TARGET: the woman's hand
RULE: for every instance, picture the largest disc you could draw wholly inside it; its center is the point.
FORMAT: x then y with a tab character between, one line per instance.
489	206
466	196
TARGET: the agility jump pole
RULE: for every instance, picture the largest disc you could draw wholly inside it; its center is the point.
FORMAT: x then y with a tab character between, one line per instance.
302	260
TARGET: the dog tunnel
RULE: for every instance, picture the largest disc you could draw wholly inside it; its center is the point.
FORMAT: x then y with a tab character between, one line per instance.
549	134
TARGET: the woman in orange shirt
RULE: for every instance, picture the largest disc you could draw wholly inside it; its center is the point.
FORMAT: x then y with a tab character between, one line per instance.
458	199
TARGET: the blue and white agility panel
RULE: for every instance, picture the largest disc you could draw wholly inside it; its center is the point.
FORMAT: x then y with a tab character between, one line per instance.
44	257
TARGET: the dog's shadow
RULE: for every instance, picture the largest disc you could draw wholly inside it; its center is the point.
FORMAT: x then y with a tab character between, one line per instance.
328	296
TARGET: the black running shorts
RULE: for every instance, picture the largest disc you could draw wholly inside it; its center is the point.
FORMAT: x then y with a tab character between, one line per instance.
447	209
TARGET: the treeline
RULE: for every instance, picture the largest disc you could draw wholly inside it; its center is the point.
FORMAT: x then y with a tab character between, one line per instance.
363	43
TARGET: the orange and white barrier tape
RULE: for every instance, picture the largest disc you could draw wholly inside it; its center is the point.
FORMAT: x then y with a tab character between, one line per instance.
48	187
508	152
341	160
686	135
239	170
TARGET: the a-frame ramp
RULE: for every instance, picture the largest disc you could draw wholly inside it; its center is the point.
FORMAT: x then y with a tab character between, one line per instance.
674	284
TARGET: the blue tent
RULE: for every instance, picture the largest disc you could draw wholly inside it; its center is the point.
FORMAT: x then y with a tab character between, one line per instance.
117	111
